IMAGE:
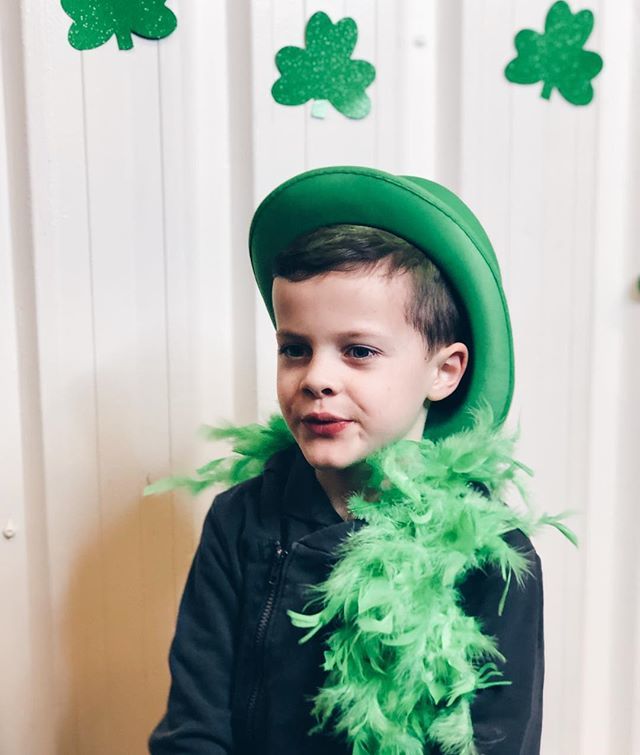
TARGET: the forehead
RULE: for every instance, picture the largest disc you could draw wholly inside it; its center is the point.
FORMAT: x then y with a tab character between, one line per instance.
342	300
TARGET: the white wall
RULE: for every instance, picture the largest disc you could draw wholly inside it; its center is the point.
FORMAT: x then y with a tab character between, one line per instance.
128	316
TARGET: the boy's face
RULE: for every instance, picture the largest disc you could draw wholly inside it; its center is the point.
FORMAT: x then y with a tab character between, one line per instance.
345	349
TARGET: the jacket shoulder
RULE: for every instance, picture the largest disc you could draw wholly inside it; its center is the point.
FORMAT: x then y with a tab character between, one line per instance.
233	508
229	503
521	542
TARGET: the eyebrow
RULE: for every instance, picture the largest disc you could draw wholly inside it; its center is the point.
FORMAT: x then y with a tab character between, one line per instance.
349	334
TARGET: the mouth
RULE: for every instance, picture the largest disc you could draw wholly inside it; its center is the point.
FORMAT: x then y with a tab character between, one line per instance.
325	425
323	418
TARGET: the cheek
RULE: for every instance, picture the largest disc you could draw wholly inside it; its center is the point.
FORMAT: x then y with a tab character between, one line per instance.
285	384
378	394
402	390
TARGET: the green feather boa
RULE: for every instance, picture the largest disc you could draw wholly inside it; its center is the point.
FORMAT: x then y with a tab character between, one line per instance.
404	661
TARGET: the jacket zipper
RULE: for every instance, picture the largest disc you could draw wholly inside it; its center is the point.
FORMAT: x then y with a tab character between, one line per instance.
263	623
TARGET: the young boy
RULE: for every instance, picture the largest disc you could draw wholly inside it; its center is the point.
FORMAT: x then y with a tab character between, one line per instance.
391	325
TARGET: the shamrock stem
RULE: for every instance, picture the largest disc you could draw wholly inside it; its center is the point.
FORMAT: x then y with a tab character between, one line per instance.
319	109
125	42
546	91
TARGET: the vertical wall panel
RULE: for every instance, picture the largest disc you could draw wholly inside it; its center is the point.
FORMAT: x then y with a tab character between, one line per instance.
487	125
25	616
239	163
127	287
67	370
388	40
528	170
448	53
607	579
19	564
418	115
629	593
14	584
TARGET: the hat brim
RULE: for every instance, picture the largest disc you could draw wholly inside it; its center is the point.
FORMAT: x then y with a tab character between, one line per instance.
431	218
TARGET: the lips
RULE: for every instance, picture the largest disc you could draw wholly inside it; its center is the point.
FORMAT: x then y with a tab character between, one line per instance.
325	425
323	418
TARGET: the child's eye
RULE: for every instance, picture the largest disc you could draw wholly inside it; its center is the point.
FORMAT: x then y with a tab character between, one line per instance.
362	352
292	350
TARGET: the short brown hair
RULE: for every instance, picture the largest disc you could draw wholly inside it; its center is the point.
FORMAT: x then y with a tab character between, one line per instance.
433	309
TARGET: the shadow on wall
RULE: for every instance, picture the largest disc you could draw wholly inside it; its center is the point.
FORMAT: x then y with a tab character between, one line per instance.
118	621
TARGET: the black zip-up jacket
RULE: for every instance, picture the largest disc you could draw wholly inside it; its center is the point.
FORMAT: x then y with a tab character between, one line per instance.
241	684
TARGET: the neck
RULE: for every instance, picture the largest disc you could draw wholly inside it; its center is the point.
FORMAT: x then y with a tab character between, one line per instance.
341	484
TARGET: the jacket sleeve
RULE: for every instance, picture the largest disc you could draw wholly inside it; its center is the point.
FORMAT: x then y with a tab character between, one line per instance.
198	715
507	720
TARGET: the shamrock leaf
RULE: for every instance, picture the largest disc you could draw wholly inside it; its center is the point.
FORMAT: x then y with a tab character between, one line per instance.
324	70
556	57
96	21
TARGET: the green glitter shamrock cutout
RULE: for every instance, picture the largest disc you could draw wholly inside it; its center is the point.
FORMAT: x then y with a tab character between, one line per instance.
324	71
96	21
556	57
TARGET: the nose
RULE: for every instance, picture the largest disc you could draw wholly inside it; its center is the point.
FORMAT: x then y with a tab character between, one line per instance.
321	377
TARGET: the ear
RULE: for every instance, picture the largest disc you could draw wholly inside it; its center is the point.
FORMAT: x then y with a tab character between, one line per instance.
450	363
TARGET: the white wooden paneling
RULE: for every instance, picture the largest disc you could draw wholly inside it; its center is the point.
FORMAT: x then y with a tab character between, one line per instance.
144	169
132	236
529	169
417	117
628	461
387	104
14	584
20	566
124	191
448	96
63	287
236	76
607	565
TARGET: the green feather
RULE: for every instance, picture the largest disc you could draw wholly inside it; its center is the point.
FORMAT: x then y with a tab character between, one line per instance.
253	446
395	593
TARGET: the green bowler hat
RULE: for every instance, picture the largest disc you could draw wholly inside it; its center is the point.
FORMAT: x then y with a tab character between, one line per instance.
433	219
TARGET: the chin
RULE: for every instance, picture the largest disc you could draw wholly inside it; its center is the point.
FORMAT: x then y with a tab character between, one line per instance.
326	459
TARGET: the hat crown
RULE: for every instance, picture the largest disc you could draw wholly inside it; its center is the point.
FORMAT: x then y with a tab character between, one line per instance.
465	216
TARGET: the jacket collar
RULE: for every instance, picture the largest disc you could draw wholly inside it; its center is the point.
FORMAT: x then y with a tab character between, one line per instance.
304	498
